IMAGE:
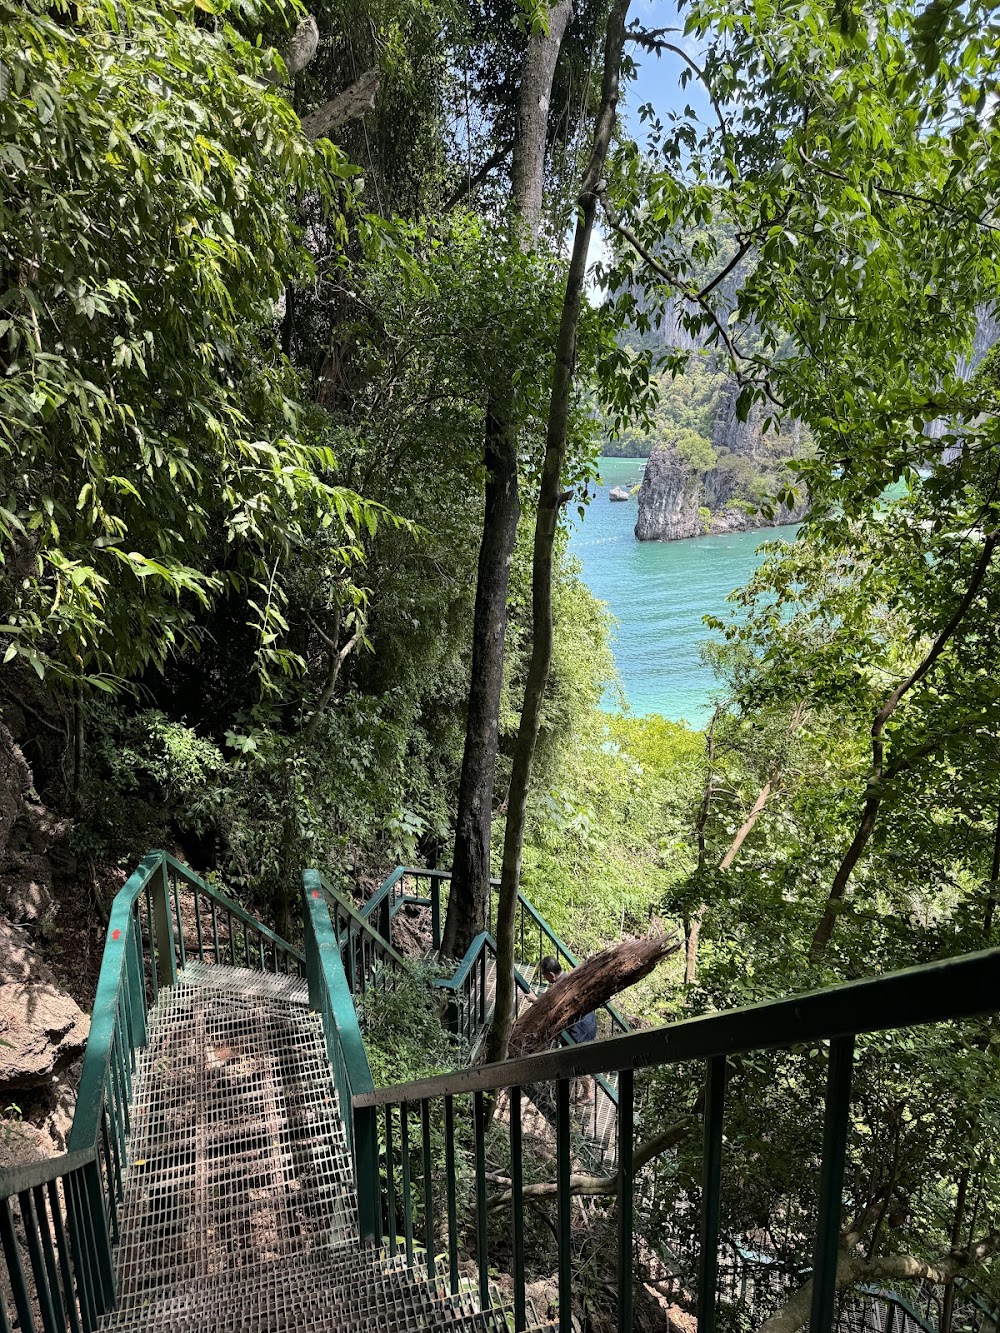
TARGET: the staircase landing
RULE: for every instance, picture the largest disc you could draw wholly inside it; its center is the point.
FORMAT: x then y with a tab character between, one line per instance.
239	1210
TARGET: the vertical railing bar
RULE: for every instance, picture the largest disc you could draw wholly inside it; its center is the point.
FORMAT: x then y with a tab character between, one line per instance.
180	923
215	929
626	1108
260	951
836	1121
4	1321
43	1293
517	1211
563	1212
390	1182
404	1148
48	1252
425	1131
18	1286
711	1187
482	1236
232	938
80	1241
111	1164
197	922
152	942
124	1112
65	1253
95	1199
449	1174
136	982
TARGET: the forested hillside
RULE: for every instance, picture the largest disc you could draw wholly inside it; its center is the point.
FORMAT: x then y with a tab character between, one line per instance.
305	360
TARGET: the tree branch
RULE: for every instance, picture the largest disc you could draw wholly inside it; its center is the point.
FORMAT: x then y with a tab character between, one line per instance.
300	50
876	777
602	1185
351	104
851	1269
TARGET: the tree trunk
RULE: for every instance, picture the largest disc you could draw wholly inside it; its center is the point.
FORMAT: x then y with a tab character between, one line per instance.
537	73
550	497
584	989
468	899
469	893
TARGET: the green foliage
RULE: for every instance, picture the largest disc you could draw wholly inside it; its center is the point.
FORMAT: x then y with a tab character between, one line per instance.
153	456
404	1036
148	777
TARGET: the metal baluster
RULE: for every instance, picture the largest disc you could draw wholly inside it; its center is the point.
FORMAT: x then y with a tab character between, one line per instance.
43	1293
564	1234
48	1251
114	1170
197	924
626	1093
63	1250
482	1237
180	924
711	1188
517	1210
449	1171
838	1099
404	1149
80	1242
425	1130
215	930
15	1273
390	1183
137	980
153	969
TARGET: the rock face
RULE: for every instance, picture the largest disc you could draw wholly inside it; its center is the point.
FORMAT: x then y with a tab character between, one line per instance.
43	1029
738	461
677	502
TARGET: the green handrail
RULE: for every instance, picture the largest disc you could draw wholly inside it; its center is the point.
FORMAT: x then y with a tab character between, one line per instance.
934	992
385	902
66	1209
331	996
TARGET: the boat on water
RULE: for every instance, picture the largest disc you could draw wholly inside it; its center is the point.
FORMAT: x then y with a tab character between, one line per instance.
619	493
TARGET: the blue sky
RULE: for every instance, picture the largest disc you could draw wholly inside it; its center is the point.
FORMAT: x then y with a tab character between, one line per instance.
658	81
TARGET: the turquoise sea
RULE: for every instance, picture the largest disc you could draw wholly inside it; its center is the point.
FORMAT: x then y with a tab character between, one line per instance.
658	592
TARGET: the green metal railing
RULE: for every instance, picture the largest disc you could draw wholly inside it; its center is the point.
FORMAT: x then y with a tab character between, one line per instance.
369	959
331	994
534	937
61	1216
469	991
825	1022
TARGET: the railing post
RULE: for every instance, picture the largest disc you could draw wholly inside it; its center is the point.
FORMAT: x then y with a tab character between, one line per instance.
163	927
831	1189
136	982
435	887
368	1182
93	1189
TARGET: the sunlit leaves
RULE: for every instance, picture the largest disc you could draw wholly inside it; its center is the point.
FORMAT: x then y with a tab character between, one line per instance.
152	452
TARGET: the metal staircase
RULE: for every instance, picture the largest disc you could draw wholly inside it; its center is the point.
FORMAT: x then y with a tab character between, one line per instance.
238	1209
232	1168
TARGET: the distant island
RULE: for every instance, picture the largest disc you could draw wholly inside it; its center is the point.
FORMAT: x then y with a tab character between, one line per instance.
708	471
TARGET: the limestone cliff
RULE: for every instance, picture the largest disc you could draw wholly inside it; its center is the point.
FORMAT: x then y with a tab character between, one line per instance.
676	501
697	483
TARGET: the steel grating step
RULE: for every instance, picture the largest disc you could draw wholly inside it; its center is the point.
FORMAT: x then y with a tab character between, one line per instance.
239	1213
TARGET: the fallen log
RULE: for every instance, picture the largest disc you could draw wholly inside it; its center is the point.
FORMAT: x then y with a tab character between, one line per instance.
586	988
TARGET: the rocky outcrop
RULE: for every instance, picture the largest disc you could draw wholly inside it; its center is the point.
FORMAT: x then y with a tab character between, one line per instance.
676	501
43	1030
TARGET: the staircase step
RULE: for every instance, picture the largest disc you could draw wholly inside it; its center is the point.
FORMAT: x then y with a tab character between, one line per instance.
239	1213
